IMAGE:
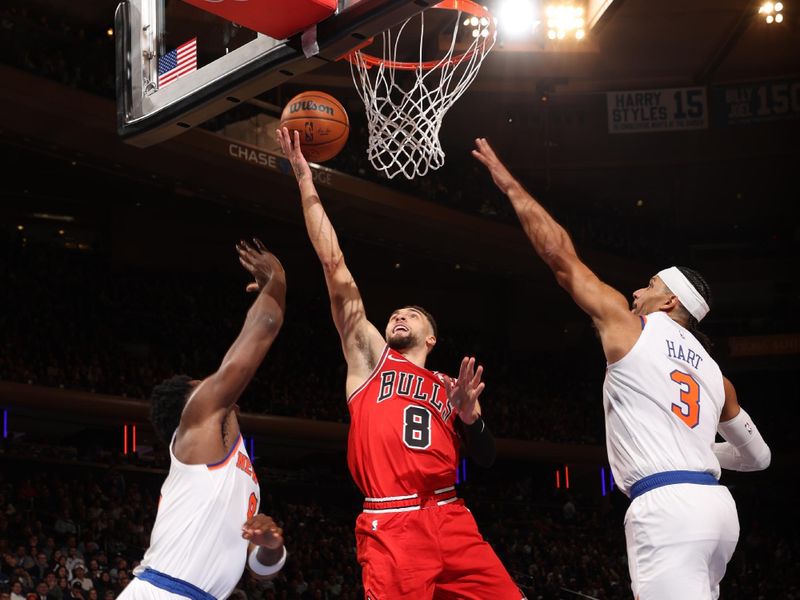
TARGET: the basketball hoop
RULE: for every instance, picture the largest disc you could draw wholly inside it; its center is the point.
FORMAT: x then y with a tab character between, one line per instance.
404	120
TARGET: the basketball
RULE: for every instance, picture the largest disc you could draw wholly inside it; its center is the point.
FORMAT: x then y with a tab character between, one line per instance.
322	122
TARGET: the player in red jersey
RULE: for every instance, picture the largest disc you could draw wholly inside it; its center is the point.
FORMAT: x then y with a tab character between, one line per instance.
415	539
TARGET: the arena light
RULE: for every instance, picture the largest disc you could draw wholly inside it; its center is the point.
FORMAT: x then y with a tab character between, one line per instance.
517	17
461	472
565	20
773	12
52	217
479	26
125	447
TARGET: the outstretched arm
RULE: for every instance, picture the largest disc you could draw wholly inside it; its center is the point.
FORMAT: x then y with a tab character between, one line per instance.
213	397
362	343
618	327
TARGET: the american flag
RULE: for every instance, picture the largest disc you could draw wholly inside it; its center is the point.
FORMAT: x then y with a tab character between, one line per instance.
177	62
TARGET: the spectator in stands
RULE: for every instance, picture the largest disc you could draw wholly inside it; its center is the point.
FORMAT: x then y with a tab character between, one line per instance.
79	575
51	581
64	524
41	567
76	592
17	591
61	589
23	577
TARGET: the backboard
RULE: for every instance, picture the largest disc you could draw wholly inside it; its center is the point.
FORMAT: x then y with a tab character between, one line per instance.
179	65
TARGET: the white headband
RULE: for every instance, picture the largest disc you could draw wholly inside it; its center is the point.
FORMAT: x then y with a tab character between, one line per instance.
685	291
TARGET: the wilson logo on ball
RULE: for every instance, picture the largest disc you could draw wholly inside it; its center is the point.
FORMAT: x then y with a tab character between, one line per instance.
309	105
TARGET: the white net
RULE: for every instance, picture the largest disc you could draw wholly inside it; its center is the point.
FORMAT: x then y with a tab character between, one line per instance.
405	113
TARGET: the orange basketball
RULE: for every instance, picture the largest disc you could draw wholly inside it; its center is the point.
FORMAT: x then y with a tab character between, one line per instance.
322	122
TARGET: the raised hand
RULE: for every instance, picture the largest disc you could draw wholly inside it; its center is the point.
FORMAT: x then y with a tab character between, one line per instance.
263	531
290	145
260	262
500	174
463	393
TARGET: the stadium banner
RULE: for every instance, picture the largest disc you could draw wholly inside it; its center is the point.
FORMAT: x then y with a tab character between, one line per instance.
755	102
764	345
650	111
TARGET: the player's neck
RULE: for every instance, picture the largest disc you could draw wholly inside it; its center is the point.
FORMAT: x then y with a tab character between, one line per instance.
417	356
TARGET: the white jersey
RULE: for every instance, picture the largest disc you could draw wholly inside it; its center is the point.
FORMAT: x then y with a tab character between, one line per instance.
662	405
197	536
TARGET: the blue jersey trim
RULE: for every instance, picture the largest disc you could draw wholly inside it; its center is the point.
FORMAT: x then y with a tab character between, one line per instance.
657	480
174	585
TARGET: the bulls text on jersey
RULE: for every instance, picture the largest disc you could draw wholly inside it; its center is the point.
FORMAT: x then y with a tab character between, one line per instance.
417	387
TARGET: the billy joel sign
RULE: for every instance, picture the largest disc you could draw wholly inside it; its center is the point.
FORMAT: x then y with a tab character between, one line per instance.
648	111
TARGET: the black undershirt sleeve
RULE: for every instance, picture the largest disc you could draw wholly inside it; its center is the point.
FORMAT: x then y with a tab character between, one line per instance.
478	442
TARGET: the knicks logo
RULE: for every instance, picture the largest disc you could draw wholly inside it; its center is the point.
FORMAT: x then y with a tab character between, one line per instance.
243	463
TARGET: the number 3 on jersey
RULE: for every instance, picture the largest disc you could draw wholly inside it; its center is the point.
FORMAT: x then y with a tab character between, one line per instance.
688	410
417	427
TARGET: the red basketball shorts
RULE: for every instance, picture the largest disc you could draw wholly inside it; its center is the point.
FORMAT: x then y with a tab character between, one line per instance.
431	553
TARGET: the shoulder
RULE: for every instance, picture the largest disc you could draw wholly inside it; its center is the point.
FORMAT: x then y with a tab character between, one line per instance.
620	336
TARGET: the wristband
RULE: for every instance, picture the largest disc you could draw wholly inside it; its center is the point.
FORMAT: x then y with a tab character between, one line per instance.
265	570
477	426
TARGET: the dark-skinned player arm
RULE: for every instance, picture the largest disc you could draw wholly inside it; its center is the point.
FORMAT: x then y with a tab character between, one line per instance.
360	339
744	449
605	305
264	319
478	441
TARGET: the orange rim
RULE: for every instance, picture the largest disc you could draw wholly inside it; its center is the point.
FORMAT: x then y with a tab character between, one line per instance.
466	6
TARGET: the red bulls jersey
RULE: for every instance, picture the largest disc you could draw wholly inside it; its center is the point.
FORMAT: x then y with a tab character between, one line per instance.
402	438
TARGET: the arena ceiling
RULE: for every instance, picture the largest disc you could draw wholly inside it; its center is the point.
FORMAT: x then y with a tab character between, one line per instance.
635	45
